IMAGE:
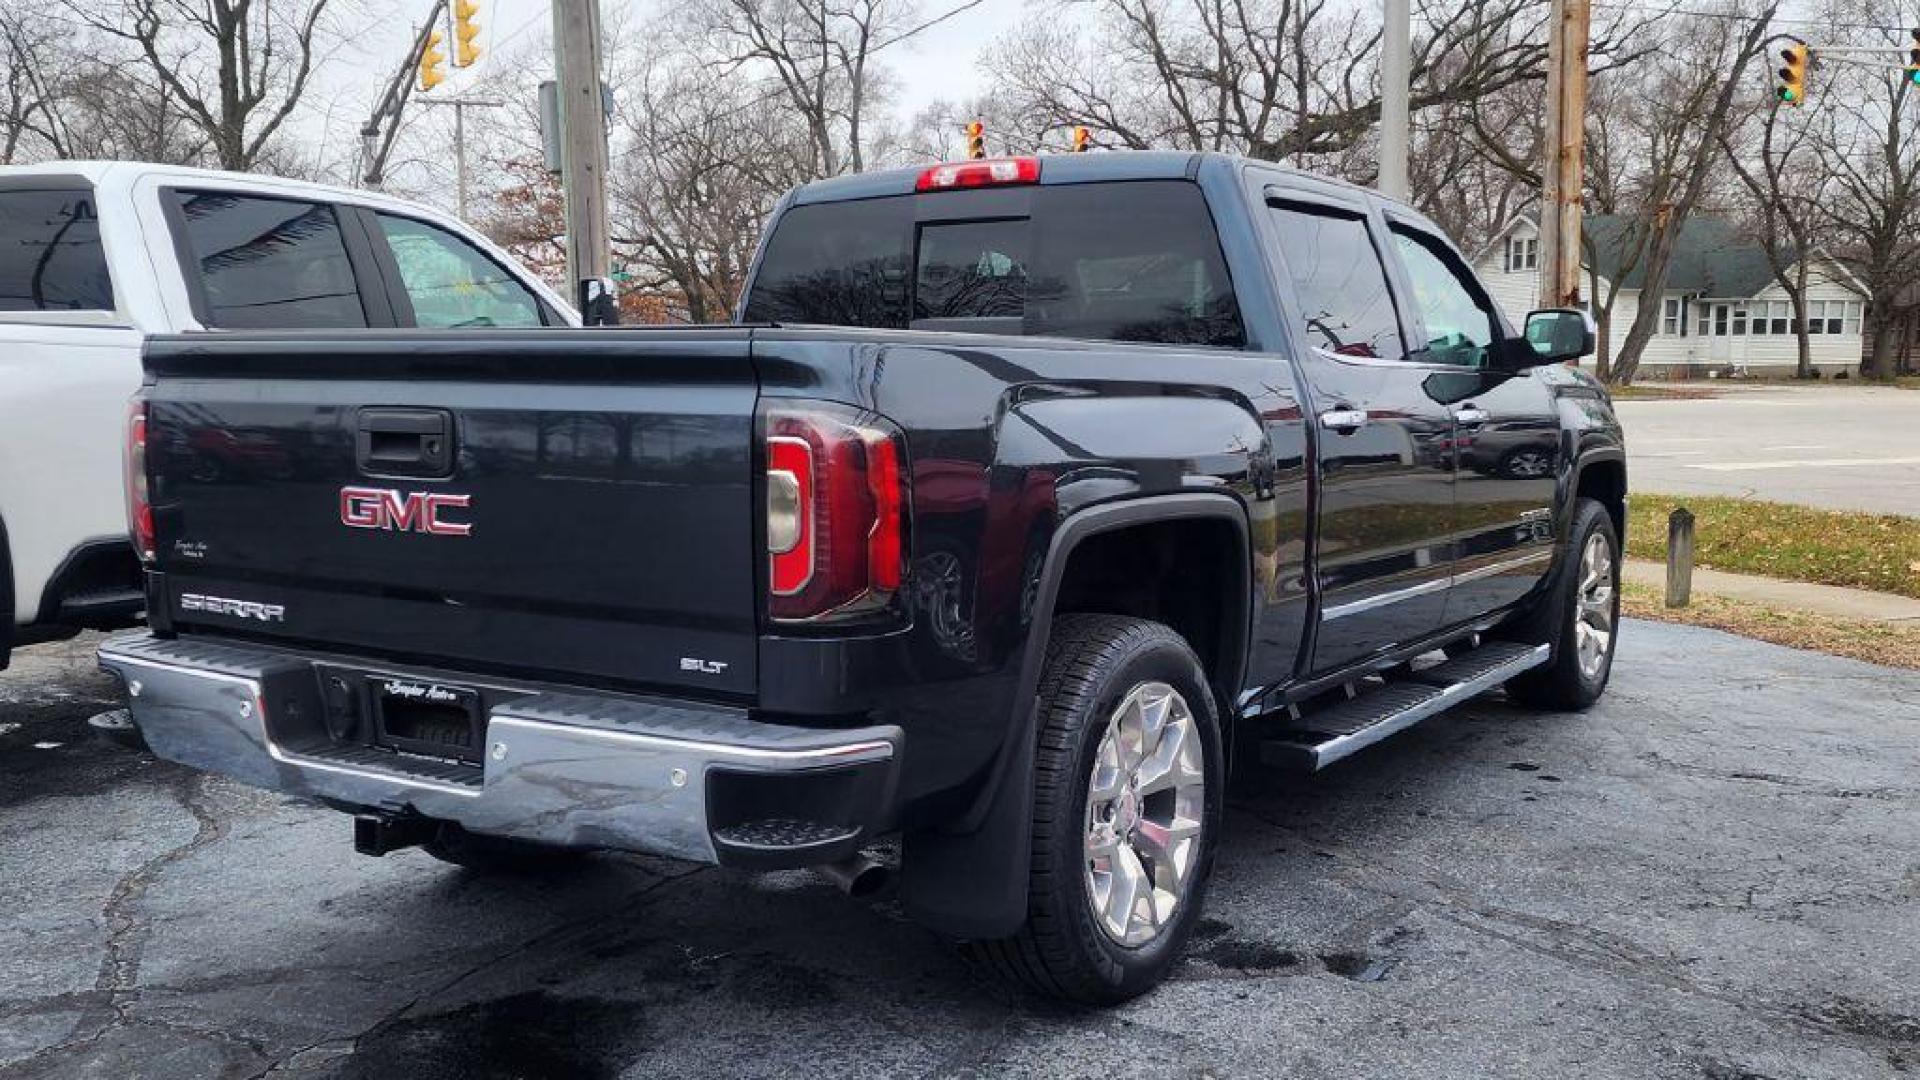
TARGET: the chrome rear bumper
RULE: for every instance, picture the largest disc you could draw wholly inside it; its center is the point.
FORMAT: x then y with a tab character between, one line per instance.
681	779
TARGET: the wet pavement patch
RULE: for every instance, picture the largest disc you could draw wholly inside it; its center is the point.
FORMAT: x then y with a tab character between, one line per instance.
1358	966
531	1036
770	982
1242	954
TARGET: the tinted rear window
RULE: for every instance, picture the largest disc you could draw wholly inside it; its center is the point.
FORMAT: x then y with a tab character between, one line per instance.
50	253
270	263
1135	261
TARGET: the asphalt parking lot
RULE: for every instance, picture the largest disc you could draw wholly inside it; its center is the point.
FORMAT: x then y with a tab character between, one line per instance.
1714	874
1839	447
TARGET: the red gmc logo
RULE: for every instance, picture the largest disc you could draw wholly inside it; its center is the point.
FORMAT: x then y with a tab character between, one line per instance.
385	508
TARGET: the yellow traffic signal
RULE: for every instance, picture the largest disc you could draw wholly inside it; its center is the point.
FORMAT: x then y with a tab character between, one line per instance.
1081	137
432	62
465	32
1793	75
976	140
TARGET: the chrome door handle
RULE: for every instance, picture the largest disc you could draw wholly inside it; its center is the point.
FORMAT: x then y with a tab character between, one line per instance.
1344	421
1471	417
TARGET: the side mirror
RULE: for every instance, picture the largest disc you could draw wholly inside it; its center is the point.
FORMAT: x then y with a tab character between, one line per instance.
1556	336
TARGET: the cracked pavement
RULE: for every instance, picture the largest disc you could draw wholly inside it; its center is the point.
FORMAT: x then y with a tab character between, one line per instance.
1713	874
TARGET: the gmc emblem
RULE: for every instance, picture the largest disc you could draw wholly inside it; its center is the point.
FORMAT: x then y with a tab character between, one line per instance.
394	511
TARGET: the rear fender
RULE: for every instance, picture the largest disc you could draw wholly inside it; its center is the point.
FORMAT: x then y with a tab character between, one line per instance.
974	884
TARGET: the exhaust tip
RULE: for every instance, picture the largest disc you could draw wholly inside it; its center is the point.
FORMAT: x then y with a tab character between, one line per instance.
858	876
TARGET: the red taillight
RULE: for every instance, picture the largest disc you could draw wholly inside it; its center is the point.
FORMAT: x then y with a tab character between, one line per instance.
987	172
836	512
139	510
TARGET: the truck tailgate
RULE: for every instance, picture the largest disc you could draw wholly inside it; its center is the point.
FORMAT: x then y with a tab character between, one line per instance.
575	502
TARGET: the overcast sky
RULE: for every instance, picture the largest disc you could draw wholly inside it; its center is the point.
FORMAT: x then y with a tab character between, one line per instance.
939	63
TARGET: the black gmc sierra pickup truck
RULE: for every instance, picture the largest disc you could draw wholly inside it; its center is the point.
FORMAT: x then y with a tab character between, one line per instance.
1024	497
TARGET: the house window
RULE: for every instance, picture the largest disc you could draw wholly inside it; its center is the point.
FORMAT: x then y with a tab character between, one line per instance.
1740	319
1852	317
1672	321
1816	316
1780	313
1523	253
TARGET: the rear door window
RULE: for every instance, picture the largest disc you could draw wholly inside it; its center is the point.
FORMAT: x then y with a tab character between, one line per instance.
268	263
1339	281
50	253
453	284
1127	261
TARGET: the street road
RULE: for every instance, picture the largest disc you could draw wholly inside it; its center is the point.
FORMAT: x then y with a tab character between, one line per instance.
1715	874
1840	447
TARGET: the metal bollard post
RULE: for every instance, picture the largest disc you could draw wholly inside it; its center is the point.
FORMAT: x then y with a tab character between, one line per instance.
1679	557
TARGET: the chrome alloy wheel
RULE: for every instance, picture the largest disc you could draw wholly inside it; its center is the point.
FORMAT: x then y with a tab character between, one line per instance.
1145	805
1593	622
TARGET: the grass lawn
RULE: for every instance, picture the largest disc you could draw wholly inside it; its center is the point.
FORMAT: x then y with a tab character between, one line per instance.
1794	543
1876	642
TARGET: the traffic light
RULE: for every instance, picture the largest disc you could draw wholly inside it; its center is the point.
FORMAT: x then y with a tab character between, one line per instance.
1081	137
465	32
1913	57
976	140
1793	75
432	62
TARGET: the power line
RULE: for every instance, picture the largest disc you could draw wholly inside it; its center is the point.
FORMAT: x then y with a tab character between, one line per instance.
1735	16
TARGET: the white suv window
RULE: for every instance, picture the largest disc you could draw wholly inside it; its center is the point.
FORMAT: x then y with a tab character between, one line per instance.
50	254
453	284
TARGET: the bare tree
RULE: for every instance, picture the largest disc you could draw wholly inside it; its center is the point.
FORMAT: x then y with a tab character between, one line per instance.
238	68
704	169
30	53
1282	80
1872	152
1688	107
815	55
1783	201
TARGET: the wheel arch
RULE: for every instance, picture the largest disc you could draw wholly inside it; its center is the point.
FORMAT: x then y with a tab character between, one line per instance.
972	882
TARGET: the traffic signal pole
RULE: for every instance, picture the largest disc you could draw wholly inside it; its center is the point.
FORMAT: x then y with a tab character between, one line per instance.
378	133
583	155
1562	180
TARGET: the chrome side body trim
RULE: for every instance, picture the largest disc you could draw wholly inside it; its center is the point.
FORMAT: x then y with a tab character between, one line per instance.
543	778
1356	607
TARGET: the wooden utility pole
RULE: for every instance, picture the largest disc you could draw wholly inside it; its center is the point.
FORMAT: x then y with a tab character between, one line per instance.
1396	76
583	154
1563	177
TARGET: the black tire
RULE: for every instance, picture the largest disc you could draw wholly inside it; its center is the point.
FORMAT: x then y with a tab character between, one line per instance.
1093	664
1563	683
498	854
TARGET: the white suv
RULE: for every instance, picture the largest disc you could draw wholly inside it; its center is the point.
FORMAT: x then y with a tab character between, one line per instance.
95	257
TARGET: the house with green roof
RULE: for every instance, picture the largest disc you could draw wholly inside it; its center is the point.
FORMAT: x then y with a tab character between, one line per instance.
1721	311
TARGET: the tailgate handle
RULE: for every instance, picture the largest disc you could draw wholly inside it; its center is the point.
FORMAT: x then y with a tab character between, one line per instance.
405	442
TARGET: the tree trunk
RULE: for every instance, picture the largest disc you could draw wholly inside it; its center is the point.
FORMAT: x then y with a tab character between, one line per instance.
1804	369
1879	363
1603	342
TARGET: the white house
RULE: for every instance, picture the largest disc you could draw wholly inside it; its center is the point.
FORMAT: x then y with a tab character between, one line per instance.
1721	310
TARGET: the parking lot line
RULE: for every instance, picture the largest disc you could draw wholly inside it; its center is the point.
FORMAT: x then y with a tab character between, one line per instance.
1803	463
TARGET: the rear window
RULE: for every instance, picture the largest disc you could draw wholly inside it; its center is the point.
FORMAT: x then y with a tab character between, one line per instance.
1135	261
270	263
50	253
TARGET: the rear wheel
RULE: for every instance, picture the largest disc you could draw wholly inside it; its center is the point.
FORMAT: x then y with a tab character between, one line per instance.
498	854
1579	617
1128	789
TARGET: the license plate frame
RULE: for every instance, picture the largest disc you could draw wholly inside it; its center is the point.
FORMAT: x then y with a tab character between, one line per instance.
421	716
